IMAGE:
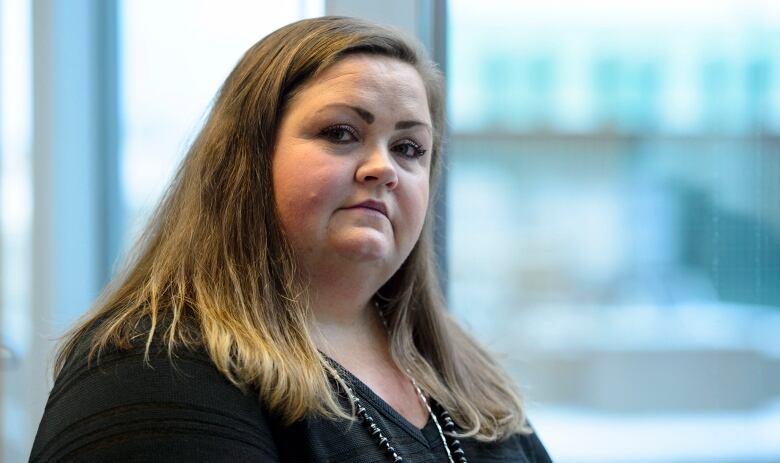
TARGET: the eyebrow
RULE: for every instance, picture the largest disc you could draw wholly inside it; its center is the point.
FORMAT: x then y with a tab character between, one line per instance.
369	118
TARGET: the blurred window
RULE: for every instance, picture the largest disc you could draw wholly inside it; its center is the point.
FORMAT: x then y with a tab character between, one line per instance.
15	216
176	54
614	175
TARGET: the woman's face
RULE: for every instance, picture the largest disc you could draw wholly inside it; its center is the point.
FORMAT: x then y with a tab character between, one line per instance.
351	164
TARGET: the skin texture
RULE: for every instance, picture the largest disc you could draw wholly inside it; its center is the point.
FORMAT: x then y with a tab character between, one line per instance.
329	159
321	169
360	131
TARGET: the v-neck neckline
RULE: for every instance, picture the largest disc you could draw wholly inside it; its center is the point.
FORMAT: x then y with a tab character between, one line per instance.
420	434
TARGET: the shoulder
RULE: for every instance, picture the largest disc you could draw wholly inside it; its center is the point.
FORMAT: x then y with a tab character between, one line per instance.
519	447
533	447
122	408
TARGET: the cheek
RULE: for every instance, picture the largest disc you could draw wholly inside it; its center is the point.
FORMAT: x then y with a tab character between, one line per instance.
304	196
417	206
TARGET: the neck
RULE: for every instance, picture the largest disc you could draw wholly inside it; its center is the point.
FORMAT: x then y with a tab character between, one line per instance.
364	337
355	338
345	321
341	292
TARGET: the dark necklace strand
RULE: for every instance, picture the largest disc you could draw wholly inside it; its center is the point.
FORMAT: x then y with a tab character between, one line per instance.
449	428
374	430
452	446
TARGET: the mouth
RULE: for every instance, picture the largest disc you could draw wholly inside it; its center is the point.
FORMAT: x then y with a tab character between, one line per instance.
378	206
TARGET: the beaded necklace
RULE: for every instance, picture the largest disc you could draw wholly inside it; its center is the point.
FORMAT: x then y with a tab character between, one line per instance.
452	446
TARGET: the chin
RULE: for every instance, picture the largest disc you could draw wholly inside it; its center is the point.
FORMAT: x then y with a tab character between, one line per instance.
364	248
365	252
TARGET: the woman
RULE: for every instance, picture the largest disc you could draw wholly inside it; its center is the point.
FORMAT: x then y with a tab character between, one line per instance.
283	304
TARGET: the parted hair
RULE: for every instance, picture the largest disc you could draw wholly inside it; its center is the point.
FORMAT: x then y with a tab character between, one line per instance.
213	269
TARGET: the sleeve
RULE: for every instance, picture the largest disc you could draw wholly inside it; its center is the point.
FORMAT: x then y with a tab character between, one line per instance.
125	410
534	448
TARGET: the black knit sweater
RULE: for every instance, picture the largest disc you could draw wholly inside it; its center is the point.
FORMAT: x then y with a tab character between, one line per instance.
123	410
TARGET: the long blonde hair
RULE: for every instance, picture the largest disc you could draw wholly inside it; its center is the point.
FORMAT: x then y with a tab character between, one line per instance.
213	269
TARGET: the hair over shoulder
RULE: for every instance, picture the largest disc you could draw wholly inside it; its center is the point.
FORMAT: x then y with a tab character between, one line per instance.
213	269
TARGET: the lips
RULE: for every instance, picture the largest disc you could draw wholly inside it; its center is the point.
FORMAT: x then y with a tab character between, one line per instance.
371	204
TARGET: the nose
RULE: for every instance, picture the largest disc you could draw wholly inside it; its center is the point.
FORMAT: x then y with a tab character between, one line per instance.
377	167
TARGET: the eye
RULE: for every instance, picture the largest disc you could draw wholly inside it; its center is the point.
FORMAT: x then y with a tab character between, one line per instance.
409	149
340	134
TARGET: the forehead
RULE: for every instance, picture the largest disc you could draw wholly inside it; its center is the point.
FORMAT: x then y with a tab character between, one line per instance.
368	79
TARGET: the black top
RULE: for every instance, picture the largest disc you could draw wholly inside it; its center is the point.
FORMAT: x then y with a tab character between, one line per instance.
123	410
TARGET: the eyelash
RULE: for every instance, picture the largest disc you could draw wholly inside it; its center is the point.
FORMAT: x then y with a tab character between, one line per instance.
416	148
328	133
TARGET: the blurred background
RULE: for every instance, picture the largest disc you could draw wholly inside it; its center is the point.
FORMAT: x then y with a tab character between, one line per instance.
611	209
